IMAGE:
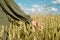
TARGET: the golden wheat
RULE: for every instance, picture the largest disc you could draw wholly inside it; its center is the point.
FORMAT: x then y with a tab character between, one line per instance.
50	30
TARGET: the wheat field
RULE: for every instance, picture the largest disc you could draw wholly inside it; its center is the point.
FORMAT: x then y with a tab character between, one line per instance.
23	31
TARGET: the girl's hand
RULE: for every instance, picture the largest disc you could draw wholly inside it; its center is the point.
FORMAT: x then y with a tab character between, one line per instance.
34	23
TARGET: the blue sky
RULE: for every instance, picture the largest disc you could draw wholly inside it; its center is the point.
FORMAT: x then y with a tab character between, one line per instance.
30	6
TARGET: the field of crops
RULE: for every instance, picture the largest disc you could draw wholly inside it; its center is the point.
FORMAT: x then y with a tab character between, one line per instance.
23	31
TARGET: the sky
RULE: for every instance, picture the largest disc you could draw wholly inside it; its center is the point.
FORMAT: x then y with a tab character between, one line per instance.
41	6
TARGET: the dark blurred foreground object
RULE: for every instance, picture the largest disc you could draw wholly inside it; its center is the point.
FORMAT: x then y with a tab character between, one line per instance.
8	8
3	18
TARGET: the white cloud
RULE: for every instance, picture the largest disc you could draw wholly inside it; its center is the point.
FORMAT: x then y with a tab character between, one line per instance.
21	6
56	1
37	8
54	9
34	8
